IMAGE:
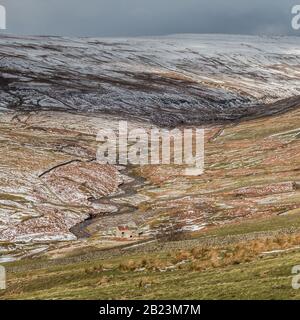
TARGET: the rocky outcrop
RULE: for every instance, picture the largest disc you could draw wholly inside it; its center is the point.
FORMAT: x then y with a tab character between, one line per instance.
258	191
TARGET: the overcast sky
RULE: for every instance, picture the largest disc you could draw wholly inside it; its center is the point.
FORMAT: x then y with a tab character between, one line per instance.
148	17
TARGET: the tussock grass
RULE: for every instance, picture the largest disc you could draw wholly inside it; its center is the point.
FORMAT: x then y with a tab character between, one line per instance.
237	270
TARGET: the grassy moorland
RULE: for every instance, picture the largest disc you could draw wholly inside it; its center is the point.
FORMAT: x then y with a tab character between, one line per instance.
235	262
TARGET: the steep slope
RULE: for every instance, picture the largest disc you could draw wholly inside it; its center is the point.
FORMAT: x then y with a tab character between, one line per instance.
188	79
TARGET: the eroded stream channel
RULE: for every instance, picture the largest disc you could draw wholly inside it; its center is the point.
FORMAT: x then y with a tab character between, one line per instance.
123	203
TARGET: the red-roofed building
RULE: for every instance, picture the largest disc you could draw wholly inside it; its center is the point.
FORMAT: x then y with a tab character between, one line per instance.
129	231
123	228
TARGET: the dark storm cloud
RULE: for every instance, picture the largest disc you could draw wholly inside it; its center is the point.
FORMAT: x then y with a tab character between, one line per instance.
148	17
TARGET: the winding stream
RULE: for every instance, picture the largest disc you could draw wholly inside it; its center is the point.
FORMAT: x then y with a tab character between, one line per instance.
127	189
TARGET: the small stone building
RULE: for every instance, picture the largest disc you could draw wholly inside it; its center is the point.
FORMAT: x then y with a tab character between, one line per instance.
125	232
129	231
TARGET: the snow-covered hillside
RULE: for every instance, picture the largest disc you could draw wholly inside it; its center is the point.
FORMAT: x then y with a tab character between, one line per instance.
171	80
52	190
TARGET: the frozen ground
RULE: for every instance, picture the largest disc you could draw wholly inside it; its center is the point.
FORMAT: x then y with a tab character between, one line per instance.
180	79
